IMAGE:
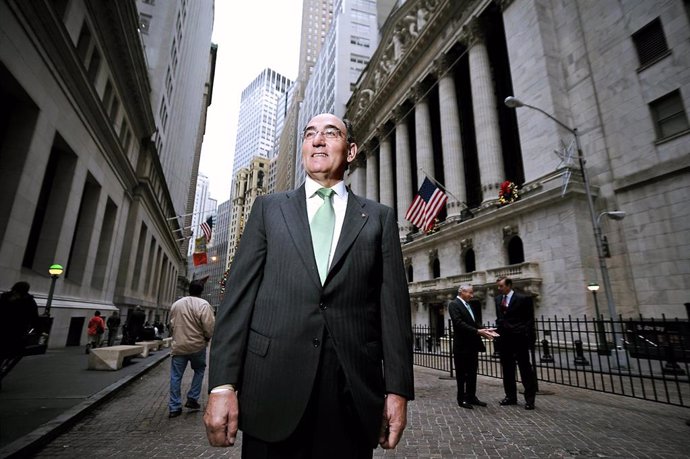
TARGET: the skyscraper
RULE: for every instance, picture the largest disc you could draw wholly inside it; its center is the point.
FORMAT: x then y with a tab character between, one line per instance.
316	21
257	119
181	60
348	46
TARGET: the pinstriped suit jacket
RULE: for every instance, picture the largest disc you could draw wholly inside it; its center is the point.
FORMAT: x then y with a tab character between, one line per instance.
275	308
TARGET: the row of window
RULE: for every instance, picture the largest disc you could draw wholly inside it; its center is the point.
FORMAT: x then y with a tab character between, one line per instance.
90	58
668	112
514	251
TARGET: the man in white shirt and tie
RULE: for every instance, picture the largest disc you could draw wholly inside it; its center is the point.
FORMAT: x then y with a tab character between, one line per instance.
312	351
467	343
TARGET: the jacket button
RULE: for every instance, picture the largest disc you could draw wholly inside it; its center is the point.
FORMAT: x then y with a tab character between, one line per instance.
322	306
316	342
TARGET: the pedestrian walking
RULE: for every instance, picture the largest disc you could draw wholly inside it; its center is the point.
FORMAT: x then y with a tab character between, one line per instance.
113	327
135	324
19	316
95	330
191	324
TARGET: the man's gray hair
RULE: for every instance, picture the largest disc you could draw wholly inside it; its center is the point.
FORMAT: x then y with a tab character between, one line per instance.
465	287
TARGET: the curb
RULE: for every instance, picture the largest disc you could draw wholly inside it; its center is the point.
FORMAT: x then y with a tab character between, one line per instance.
33	441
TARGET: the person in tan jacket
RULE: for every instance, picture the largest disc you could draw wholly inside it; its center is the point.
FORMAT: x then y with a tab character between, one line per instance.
191	328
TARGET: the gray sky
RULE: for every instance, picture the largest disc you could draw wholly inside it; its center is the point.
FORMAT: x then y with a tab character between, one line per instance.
251	35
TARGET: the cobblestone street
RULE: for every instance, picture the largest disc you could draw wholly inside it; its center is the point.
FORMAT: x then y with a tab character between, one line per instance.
567	423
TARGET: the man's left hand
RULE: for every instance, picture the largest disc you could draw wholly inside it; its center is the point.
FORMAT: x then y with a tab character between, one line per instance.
393	422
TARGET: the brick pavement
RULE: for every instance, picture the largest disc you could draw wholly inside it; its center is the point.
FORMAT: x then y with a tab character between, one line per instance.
568	423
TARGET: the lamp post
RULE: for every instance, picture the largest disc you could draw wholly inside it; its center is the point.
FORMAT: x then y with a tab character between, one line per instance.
602	344
55	272
513	102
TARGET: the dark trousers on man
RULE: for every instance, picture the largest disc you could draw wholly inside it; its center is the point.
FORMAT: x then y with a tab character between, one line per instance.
516	349
466	364
330	427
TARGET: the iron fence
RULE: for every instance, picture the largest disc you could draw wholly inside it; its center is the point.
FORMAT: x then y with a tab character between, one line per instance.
642	358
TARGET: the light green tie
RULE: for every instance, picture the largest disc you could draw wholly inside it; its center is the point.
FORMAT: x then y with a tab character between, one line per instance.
322	226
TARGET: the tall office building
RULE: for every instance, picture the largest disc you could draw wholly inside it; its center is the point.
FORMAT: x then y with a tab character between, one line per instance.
204	207
348	46
217	255
257	118
316	21
181	61
249	183
81	181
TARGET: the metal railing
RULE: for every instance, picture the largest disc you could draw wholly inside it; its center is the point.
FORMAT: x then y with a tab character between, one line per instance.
641	358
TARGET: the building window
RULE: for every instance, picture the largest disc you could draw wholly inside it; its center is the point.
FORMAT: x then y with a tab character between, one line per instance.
669	115
144	23
650	43
516	253
470	264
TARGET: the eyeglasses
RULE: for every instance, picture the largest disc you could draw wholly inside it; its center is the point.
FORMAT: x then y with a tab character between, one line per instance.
329	133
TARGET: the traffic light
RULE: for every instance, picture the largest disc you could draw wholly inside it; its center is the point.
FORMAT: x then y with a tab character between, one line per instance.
605	247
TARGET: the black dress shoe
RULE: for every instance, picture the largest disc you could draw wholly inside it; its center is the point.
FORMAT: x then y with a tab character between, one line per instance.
529	406
465	405
174	414
508	401
475	401
192	404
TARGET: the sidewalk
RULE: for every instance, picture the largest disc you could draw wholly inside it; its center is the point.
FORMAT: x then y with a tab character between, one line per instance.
44	394
567	423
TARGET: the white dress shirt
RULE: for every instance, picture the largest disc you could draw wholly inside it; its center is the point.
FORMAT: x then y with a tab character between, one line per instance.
339	199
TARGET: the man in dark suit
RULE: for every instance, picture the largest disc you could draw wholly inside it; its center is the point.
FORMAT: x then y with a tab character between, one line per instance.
515	325
467	344
312	355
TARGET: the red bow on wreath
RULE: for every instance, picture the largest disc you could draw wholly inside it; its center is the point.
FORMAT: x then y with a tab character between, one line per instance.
508	192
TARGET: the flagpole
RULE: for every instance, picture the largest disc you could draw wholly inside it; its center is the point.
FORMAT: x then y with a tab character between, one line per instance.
437	183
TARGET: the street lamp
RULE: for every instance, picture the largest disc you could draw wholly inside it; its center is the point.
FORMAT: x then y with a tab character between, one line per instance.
602	344
55	271
513	102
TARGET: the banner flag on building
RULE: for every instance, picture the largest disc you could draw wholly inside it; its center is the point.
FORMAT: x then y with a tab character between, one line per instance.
426	206
207	227
199	256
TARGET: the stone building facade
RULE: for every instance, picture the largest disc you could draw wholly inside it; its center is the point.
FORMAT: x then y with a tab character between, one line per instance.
431	103
81	178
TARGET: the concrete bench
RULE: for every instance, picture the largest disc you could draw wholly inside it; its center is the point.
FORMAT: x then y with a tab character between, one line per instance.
167	342
112	357
149	346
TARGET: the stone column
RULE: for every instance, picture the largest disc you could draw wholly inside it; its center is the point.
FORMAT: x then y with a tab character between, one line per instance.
357	177
422	122
489	150
372	174
386	182
403	171
453	159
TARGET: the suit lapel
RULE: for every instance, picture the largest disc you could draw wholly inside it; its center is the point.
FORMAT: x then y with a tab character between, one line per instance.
297	221
465	312
355	219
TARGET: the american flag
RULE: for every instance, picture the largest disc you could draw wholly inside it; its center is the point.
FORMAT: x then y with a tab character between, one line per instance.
207	227
426	206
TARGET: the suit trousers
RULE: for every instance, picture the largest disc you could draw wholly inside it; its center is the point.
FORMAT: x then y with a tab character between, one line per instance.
466	364
516	349
330	426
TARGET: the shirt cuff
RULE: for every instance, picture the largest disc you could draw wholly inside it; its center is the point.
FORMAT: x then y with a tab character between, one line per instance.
223	388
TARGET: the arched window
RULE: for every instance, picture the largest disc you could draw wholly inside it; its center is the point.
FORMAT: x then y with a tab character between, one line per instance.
410	276
515	252
470	265
436	268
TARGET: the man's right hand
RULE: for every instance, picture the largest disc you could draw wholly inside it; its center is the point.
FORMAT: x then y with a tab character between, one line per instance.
220	418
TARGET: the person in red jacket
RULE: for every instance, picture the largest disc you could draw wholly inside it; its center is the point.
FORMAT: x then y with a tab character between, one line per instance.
95	331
